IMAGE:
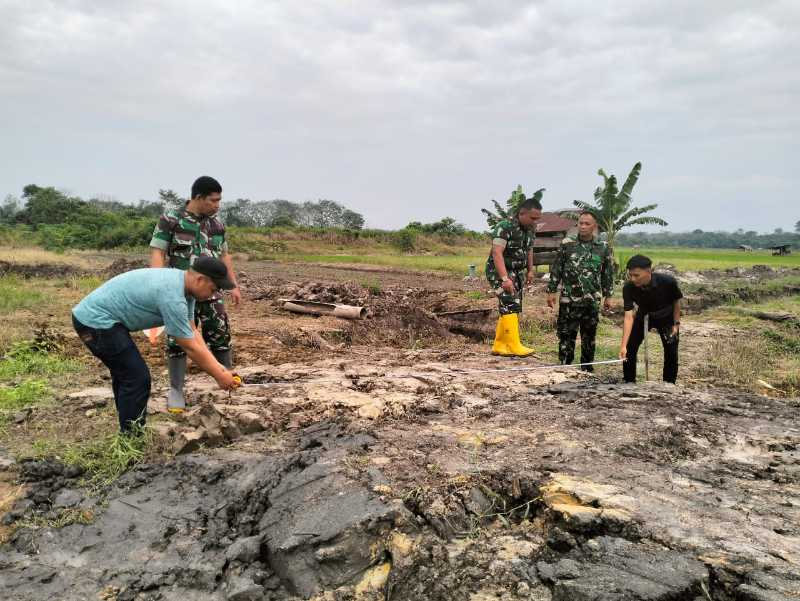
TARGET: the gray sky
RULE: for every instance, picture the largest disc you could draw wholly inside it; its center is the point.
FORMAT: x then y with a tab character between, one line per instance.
409	110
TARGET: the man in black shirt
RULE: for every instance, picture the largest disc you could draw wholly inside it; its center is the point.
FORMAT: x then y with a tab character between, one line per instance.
657	296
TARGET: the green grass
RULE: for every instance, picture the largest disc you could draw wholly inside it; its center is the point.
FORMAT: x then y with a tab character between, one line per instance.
83	284
16	294
26	394
541	337
457	264
22	360
684	259
62	518
103	460
696	259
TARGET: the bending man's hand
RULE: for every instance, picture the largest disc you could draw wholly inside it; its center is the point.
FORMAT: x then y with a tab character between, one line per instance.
225	380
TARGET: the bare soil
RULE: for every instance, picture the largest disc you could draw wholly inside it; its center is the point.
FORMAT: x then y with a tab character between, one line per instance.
394	458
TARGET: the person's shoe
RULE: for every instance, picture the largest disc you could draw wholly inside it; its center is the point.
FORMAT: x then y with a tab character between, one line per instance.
508	327
224	357
176	402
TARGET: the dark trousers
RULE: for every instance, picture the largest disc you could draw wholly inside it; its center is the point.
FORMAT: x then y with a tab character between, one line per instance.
130	378
670	344
573	318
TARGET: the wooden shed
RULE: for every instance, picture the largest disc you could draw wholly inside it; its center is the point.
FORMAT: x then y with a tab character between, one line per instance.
551	229
781	249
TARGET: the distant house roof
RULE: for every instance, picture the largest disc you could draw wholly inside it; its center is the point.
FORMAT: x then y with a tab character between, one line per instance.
552	223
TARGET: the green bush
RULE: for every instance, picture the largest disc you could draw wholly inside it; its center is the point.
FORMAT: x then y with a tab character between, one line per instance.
405	240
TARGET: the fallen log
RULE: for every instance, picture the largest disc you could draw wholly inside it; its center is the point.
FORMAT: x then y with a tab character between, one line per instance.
316	308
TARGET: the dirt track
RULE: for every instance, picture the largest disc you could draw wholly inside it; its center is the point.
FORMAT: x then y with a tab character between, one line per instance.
377	471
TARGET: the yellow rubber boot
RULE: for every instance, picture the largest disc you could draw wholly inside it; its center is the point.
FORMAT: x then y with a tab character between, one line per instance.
500	347
509	335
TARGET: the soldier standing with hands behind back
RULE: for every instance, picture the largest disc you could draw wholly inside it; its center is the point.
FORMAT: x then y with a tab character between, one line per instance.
585	270
180	237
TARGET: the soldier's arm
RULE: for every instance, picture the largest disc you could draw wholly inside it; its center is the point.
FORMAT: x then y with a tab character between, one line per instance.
159	243
499	262
499	243
607	278
226	258
556	271
236	294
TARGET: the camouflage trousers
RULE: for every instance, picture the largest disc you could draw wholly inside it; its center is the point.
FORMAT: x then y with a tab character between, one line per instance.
573	318
509	303
212	319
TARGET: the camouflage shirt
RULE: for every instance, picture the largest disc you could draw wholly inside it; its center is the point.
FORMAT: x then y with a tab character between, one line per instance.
516	242
183	236
585	271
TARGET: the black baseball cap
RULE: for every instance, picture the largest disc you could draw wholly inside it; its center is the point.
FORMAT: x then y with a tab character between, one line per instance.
214	269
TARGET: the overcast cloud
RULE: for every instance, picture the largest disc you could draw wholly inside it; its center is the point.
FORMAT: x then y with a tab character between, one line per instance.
409	110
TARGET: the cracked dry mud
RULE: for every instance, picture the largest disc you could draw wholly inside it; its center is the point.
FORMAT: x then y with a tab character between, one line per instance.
382	475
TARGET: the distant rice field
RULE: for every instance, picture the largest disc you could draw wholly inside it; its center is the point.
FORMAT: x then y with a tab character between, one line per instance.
684	259
696	259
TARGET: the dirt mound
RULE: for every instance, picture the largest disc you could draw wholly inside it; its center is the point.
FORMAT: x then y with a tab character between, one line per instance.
396	316
122	265
39	270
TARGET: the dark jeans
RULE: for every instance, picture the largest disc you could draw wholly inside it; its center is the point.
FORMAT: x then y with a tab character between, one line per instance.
130	378
664	328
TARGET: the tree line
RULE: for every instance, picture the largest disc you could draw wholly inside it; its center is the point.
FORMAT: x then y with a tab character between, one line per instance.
57	220
703	239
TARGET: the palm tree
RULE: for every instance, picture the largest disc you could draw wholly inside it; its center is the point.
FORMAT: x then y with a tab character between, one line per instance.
612	207
512	206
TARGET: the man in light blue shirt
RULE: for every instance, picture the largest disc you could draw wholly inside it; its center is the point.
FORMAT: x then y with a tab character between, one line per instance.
142	299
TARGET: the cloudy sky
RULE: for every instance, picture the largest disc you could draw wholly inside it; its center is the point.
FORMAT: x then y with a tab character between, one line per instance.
409	110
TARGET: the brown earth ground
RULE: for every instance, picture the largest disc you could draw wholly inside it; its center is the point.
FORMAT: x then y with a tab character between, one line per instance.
394	458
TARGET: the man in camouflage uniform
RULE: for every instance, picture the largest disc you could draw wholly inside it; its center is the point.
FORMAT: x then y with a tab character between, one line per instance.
585	270
510	258
181	236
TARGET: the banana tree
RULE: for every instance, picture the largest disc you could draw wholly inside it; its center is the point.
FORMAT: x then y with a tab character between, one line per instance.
512	206
612	206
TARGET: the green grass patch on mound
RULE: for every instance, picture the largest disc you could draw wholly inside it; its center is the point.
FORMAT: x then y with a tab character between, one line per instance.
27	394
103	460
16	398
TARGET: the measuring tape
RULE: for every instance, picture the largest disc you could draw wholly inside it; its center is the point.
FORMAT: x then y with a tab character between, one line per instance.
243	384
